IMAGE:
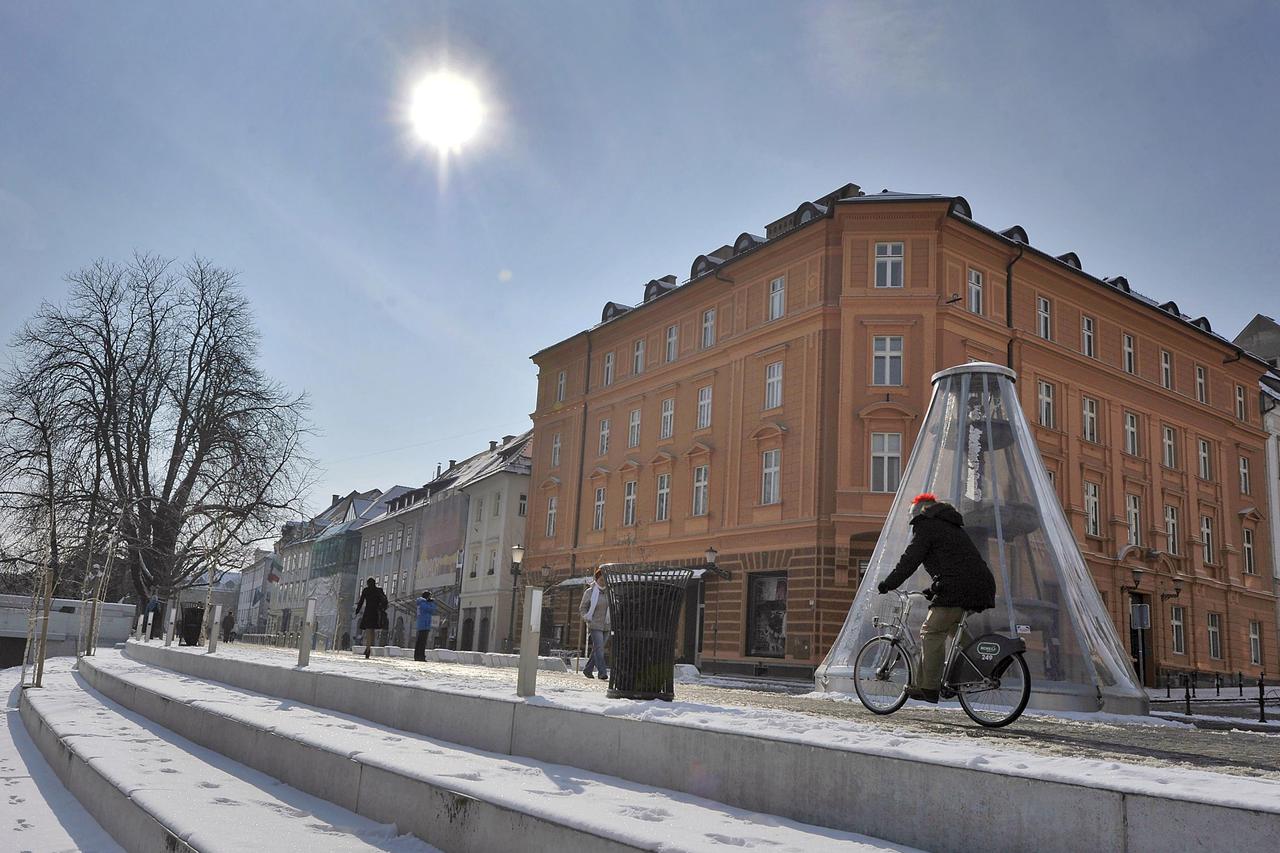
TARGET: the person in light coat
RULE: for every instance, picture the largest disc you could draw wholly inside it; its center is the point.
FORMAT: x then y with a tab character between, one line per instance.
594	610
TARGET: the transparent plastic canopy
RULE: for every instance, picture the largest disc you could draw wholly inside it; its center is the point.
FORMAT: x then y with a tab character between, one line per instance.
976	451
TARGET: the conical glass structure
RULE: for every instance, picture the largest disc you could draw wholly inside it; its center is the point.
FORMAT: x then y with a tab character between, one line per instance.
976	451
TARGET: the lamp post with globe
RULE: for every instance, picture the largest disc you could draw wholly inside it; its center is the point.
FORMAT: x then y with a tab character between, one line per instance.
517	557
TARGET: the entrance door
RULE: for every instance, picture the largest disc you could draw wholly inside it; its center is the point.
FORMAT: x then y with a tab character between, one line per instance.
468	628
482	641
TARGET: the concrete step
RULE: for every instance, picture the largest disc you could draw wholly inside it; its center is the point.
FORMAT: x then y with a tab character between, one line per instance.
153	790
456	798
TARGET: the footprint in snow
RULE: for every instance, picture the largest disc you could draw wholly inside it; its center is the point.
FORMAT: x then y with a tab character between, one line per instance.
22	825
470	777
642	813
223	801
167	770
15	800
210	785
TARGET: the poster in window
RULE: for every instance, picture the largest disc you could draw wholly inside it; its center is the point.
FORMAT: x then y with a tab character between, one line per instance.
767	612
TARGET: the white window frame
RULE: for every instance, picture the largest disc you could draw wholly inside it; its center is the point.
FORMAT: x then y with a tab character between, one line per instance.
1044	395
1246	550
633	428
770	471
886	462
1205	454
1202	385
561	380
1171	530
637	357
1166	369
890	264
704	407
1206	540
555	450
1169	439
1242	407
522	509
701	480
662	505
708	328
1089	419
975	291
607	378
1246	484
604	437
552	506
887	360
497	505
597	515
1087	341
1177	629
1132	445
1133	518
777	298
1129	354
493	562
772	385
1092	509
1044	318
673	342
1213	622
629	503
667	420
1255	642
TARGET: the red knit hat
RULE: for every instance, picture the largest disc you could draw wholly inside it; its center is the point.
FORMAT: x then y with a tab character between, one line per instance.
924	497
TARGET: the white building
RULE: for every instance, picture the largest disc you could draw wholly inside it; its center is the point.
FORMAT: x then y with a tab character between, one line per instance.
256	585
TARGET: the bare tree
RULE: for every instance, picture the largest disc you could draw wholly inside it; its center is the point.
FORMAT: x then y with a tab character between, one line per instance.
178	436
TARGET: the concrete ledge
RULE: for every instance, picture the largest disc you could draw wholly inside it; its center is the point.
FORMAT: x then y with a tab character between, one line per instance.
932	805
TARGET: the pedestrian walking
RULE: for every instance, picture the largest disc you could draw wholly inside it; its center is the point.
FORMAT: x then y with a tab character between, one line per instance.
426	611
594	610
373	601
228	626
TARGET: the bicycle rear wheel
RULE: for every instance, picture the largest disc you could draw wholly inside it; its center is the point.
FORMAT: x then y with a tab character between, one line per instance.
881	673
1000	705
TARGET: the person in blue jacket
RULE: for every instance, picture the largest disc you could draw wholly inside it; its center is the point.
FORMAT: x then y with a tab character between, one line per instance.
426	610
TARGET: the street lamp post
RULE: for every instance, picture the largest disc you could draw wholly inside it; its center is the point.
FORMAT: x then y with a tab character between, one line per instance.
517	557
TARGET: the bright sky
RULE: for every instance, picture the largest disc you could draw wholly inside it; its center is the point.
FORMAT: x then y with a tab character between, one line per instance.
619	142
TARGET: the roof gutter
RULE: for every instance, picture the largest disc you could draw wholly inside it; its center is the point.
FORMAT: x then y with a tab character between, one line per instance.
582	459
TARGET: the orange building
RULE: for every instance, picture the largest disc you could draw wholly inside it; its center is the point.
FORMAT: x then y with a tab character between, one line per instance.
765	408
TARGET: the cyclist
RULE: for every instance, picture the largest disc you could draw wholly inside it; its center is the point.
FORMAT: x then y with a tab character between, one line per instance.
962	582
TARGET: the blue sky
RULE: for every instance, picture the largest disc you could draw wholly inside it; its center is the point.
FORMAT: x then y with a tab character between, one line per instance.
622	141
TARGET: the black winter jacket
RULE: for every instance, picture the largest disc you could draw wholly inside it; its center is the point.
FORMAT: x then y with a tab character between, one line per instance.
374	602
961	577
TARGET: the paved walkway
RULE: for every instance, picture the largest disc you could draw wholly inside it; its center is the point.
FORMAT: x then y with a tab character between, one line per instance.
1135	740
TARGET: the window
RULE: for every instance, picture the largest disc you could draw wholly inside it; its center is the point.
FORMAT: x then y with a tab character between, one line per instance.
1046	404
673	343
479	509
1166	369
1244	475
1255	643
399	538
597	517
1133	515
704	407
1131	444
667	423
1170	441
637	357
555	450
1044	318
633	429
975	291
663	507
1089	414
522	508
493	562
1087	345
773	385
767	615
1215	636
560	381
889	265
475	563
1092	510
769	465
608	368
1171	536
1242	411
777	297
1178	636
886	360
1206	539
1206	460
1202	385
886	461
551	516
708	328
629	503
1129	360
1246	546
700	480
604	436
380	545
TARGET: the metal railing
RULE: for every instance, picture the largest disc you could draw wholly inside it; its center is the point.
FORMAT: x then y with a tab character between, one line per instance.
1193	693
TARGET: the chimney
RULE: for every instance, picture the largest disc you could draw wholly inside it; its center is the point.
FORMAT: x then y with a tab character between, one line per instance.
437	469
453	463
336	498
493	445
507	438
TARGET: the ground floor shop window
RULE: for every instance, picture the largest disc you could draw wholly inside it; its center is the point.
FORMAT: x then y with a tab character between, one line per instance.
767	616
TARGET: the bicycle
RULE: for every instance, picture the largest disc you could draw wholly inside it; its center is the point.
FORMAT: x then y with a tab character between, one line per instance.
989	675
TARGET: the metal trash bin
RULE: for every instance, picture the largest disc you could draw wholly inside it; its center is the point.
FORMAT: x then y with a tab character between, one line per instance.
192	619
644	610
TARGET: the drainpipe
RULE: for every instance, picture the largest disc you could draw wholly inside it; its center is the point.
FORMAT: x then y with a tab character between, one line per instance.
1008	303
582	460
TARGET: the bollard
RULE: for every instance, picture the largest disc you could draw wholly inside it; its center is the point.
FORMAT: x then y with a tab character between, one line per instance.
1262	706
137	629
1217	683
1168	685
213	628
172	619
1186	693
527	679
1240	682
146	626
308	629
1194	679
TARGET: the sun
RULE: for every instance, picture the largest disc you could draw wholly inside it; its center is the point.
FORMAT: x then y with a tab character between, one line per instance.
446	111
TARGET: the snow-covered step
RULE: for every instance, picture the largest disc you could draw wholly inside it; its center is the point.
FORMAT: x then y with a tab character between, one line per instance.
156	791
458	798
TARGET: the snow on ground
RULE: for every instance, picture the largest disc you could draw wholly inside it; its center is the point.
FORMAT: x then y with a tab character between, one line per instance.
1078	716
877	739
36	812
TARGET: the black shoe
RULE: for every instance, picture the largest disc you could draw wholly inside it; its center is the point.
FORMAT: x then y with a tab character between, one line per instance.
930	696
604	678
946	693
366	654
588	674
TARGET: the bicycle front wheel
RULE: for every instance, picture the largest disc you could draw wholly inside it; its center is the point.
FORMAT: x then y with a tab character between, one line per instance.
998	706
881	673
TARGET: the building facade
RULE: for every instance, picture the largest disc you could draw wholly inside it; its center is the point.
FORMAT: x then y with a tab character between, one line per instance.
256	586
766	407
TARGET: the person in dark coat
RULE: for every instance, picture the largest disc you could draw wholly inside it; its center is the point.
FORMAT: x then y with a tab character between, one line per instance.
962	582
228	626
373	601
426	611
